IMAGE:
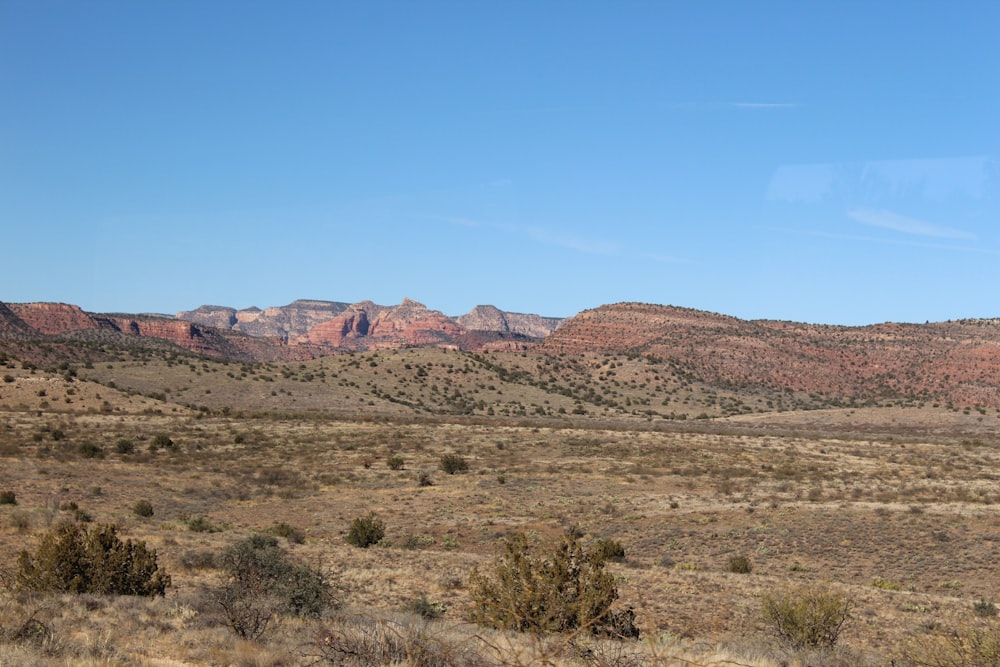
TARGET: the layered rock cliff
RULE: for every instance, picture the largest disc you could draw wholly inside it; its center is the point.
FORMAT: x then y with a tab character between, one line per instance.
367	325
288	322
491	318
54	318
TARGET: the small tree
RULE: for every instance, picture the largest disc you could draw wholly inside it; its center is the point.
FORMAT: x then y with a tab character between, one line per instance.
549	588
261	582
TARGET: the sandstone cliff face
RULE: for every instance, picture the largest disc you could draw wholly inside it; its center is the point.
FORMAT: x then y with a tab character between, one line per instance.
54	318
58	319
288	322
367	325
220	317
491	318
301	330
11	324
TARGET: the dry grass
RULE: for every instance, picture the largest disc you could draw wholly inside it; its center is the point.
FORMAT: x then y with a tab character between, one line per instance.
845	498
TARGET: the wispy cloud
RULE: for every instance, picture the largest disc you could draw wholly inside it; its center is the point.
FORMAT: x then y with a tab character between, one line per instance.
884	241
899	223
581	244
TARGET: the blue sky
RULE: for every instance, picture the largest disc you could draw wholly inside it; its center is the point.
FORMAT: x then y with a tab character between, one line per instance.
833	162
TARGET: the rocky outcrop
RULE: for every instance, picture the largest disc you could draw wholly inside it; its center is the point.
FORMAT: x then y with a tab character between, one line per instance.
11	324
288	322
367	325
59	320
220	317
491	318
54	318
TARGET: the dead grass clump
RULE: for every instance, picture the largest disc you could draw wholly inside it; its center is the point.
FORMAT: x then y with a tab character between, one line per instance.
363	640
973	646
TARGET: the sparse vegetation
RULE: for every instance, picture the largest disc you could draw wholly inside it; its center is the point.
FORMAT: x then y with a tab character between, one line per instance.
796	491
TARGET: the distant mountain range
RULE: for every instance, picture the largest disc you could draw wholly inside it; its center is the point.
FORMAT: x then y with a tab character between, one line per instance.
948	362
301	330
367	325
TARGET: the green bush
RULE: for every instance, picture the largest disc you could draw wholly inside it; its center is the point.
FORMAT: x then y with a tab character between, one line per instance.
806	617
548	588
452	463
200	524
395	462
8	498
124	446
611	550
143	508
261	581
72	559
161	441
366	531
984	608
886	584
427	609
739	565
287	531
89	450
